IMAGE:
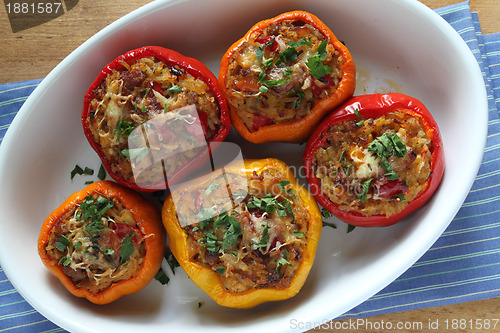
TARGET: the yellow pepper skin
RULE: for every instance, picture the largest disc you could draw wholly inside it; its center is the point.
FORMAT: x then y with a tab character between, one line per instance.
208	279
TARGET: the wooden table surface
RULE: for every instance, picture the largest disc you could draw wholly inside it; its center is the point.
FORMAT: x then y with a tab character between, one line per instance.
33	53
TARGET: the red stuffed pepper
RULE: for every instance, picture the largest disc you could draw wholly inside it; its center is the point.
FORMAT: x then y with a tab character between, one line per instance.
150	104
375	160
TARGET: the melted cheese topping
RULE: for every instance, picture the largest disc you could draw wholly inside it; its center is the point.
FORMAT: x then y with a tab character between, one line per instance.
92	253
135	95
277	86
356	178
268	247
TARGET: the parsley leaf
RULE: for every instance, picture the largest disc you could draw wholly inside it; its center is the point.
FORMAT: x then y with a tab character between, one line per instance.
315	62
289	55
265	236
171	261
62	243
281	186
365	187
221	270
299	234
77	170
298	101
325	213
175	89
300	43
123	128
162	277
211	187
386	145
333	226
282	262
126	249
101	174
65	261
232	234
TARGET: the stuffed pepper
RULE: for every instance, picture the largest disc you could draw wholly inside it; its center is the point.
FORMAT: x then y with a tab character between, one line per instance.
245	236
147	105
375	160
283	76
103	242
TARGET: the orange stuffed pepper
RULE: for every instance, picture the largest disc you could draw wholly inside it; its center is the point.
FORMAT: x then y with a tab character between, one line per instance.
245	236
103	242
284	76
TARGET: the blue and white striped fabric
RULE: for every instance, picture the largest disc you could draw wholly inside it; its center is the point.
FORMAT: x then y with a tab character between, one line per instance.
463	265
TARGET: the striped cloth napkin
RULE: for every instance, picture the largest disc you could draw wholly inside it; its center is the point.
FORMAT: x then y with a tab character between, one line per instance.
463	265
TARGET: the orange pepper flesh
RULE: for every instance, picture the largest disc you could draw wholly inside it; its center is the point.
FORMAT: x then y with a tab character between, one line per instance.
299	130
208	279
148	222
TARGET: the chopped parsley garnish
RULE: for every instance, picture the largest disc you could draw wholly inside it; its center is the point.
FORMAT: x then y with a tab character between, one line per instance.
93	210
123	128
299	234
386	145
356	112
274	83
289	55
270	204
361	122
281	186
333	226
62	243
325	213
171	261
175	89
232	234
65	261
126	249
263	89
221	270
211	188
265	236
315	62
77	170
136	153
162	277
300	43
282	262
298	101
101	174
364	190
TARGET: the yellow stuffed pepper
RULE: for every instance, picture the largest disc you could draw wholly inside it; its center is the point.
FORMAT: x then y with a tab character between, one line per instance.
245	235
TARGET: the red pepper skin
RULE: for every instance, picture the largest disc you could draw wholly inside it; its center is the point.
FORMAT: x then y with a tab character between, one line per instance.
171	58
373	106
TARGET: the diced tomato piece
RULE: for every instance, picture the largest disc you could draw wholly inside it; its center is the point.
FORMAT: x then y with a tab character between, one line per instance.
155	85
389	188
326	81
247	85
264	40
260	121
